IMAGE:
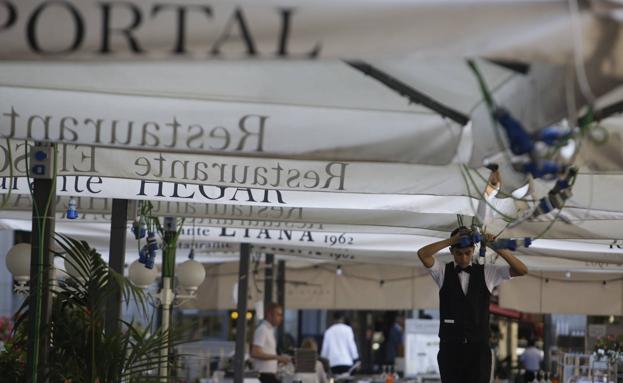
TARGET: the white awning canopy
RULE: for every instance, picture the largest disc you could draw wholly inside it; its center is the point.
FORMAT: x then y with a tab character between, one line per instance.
352	118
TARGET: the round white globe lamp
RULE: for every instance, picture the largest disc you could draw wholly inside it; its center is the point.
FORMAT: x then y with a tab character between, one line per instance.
190	275
141	276
18	262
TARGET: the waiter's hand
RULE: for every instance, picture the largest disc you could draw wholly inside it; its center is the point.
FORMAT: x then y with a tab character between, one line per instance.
456	237
284	359
489	237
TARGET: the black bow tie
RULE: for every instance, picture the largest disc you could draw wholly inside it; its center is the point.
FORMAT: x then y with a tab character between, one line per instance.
458	269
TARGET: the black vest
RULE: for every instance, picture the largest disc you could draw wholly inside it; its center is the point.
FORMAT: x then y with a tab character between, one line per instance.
464	318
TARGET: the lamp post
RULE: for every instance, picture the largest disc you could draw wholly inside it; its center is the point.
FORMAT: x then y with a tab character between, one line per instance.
190	275
166	292
42	168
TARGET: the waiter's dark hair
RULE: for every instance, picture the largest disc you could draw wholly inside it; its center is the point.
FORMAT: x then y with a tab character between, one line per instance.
463	229
338	315
460	228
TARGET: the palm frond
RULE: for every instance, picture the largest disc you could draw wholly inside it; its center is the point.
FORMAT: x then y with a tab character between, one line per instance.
81	350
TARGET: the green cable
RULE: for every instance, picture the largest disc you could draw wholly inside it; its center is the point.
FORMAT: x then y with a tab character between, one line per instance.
469	193
504	229
459	220
571	183
507	217
35	357
509	221
586	120
540	235
584	123
503	193
490	107
483	86
40	255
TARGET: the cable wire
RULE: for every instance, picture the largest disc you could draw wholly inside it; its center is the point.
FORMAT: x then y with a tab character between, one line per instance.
541	234
40	253
491	107
503	193
578	51
482	195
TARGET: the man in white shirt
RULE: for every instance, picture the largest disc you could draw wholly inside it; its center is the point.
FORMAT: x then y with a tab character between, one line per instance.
464	292
264	347
531	361
338	346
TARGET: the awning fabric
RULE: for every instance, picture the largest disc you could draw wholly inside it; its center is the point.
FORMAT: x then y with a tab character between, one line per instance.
339	118
292	29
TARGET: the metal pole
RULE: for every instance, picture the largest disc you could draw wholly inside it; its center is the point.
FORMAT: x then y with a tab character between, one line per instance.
509	354
268	280
365	351
241	321
116	261
41	272
549	340
281	300
166	293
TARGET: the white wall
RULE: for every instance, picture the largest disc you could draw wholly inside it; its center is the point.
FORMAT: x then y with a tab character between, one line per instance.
555	293
407	288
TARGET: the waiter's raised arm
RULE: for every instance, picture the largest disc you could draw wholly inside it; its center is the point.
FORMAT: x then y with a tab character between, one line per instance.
427	253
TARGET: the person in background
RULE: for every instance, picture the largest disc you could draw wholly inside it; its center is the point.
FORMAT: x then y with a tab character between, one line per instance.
395	340
264	347
310	344
338	346
531	361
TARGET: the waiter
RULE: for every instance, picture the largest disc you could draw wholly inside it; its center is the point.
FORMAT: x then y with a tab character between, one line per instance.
464	292
264	347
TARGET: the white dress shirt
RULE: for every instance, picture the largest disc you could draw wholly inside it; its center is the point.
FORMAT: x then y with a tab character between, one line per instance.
531	359
264	337
338	345
494	275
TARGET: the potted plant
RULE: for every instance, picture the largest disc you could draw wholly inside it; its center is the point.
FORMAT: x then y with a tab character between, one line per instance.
81	350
